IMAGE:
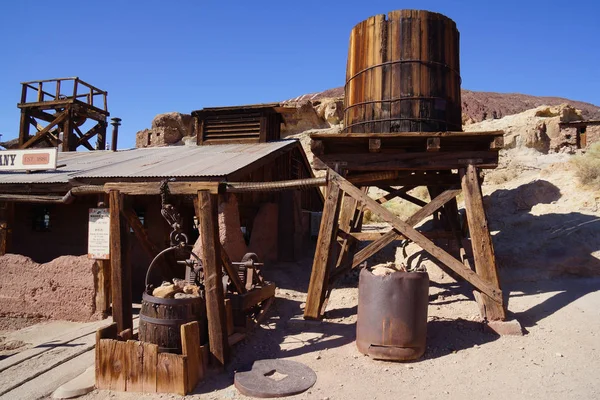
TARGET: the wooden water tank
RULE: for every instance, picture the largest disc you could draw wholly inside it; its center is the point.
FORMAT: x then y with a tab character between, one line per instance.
403	74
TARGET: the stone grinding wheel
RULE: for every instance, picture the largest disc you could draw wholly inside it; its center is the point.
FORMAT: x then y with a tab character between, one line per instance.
258	383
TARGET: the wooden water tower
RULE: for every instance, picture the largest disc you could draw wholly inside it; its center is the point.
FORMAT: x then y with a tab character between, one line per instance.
403	129
63	105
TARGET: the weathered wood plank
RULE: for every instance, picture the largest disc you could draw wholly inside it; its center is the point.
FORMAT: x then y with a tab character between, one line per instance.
112	365
171	374
149	361
119	265
134	366
215	300
190	341
418	238
321	266
231	272
483	249
411	161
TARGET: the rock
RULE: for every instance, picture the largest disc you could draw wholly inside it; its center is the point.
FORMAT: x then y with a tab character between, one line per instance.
192	289
382	271
78	386
505	328
167	291
184	296
167	129
303	119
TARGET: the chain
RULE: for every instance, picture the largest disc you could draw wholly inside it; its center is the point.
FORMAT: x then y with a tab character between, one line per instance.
172	216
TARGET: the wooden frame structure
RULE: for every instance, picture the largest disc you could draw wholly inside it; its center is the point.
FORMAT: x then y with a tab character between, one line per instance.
448	163
63	112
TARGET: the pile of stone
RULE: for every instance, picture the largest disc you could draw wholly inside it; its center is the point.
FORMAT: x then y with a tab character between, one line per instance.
178	289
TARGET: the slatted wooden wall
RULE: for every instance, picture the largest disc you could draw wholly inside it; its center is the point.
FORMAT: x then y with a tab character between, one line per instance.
403	74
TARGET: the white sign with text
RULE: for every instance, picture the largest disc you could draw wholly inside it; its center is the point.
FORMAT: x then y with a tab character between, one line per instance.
99	234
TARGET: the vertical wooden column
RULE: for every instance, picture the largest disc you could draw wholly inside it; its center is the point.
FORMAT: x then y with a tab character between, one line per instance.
24	128
119	265
68	131
324	256
7	211
103	288
211	259
483	249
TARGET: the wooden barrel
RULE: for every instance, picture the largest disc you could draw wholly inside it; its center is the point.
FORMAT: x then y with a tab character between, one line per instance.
161	320
403	74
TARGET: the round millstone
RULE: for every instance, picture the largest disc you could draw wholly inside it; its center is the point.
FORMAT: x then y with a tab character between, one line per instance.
274	378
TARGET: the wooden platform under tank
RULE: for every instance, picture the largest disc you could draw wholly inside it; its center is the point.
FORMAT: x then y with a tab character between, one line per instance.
406	150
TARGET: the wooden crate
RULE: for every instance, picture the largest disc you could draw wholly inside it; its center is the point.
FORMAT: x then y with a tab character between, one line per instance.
133	366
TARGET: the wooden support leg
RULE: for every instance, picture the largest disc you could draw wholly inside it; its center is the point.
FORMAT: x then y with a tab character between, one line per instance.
119	265
417	237
24	128
215	299
483	249
321	266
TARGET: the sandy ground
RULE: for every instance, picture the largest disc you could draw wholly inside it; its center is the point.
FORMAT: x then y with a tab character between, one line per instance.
558	358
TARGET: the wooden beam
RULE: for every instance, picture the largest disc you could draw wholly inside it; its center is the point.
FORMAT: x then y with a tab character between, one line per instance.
229	268
40	135
153	188
411	161
211	259
82	140
67	140
23	128
89	134
372	236
392	235
119	265
323	258
404	134
483	249
393	193
418	238
140	232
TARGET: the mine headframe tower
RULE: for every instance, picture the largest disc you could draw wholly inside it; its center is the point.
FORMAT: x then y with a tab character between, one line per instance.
58	114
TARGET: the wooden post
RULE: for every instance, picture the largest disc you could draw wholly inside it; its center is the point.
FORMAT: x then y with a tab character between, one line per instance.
6	217
211	259
103	288
483	249
119	265
67	131
324	256
24	128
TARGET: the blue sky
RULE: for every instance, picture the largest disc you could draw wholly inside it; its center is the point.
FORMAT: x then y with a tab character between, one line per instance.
156	56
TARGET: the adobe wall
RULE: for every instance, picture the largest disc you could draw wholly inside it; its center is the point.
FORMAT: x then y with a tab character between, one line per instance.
60	289
67	234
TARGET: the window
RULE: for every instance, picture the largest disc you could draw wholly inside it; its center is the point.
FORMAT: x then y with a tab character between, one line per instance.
41	219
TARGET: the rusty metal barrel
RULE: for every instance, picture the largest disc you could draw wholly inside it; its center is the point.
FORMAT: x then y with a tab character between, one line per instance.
403	74
161	320
392	315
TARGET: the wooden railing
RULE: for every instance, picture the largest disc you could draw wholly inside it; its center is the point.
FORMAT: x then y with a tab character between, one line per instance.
81	90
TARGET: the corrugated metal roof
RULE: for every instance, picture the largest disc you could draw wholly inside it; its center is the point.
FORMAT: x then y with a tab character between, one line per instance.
154	162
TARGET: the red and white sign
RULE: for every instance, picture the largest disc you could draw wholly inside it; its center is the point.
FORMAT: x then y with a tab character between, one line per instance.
30	159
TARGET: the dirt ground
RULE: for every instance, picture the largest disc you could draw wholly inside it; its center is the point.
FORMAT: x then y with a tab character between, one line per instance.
557	358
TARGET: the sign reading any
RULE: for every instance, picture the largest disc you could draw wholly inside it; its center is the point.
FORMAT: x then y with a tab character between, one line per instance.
31	159
99	234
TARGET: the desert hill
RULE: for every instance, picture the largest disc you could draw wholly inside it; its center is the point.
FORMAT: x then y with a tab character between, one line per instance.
479	106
